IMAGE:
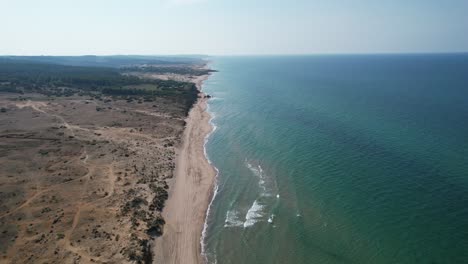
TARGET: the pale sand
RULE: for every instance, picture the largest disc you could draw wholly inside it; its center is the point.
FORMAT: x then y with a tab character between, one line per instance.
190	193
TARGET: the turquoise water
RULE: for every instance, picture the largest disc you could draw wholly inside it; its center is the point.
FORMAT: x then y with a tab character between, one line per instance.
339	159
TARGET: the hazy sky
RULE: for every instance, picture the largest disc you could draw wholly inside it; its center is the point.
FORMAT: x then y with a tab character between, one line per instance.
72	27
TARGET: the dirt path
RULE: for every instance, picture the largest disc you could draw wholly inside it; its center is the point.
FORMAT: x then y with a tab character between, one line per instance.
67	243
50	188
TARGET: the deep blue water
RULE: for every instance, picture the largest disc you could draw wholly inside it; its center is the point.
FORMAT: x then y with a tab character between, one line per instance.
352	158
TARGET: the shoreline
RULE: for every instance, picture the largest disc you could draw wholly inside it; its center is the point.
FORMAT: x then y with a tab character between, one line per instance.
191	191
214	190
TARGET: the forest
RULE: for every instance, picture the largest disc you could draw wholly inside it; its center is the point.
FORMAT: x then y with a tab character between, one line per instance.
21	76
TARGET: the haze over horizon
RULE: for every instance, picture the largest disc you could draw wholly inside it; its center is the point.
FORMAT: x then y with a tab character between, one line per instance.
164	27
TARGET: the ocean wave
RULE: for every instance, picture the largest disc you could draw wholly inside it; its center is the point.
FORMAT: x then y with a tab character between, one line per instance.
233	219
267	198
216	98
254	214
258	171
271	218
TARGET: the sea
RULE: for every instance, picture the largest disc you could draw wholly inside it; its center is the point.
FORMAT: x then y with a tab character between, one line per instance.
328	159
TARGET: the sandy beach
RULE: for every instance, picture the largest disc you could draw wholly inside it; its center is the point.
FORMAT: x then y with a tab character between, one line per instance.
190	192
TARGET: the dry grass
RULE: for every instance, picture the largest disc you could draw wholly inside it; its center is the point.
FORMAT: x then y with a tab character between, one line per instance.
80	177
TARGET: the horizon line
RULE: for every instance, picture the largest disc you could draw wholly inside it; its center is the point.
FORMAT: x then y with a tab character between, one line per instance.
239	54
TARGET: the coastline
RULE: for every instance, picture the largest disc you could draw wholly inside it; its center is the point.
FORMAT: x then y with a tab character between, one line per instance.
190	192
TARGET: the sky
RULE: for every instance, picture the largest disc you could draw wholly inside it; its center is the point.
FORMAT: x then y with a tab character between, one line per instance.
231	27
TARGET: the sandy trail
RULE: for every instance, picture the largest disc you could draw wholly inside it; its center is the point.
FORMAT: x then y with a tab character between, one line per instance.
189	195
50	188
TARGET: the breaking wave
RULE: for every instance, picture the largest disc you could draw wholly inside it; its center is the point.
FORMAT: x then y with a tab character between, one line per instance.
258	171
254	214
233	219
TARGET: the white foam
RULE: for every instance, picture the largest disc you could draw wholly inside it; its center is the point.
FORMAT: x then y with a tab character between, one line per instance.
254	214
216	187
258	171
270	220
233	219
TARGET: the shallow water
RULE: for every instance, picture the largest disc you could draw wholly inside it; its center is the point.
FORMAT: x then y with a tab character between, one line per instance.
339	159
